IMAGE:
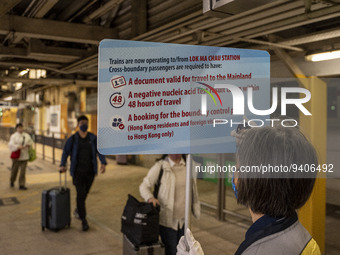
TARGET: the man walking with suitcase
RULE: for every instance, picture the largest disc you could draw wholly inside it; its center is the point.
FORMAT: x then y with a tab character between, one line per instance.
82	148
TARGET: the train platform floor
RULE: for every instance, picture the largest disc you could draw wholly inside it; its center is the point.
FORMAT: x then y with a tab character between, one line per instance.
20	215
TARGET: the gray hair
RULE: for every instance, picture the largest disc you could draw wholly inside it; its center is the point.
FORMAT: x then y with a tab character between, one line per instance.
276	194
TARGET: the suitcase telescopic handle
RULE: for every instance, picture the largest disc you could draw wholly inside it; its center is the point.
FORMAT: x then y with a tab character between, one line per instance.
60	173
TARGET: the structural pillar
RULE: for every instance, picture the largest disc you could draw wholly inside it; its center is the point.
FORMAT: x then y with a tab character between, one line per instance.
313	214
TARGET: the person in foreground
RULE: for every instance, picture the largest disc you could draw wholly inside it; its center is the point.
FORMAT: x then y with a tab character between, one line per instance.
272	198
171	171
82	146
21	141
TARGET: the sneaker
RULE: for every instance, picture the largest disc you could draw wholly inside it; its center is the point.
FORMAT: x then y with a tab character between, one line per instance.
76	214
12	184
23	188
85	225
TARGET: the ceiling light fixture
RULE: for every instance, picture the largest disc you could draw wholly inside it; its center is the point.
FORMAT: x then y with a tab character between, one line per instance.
23	72
18	85
322	56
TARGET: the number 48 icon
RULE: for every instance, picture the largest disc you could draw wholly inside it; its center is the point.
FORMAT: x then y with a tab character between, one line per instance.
117	100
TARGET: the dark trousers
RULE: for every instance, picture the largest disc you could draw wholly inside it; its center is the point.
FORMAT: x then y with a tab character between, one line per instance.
16	164
83	183
170	238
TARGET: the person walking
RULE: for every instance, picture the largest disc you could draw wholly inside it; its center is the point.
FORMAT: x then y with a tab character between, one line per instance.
19	144
171	169
82	148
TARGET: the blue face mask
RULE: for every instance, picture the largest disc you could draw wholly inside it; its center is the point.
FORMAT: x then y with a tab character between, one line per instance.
234	186
83	127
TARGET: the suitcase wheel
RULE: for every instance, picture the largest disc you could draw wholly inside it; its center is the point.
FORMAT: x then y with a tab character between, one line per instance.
43	228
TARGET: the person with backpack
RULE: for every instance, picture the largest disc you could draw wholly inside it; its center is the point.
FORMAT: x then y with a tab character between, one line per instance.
170	172
82	148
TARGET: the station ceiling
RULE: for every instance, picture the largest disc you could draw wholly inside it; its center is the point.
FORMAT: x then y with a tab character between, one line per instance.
62	36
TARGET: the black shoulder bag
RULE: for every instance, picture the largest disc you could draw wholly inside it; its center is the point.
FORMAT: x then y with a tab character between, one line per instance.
140	222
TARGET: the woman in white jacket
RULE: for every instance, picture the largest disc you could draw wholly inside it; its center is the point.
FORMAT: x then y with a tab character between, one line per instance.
20	141
171	198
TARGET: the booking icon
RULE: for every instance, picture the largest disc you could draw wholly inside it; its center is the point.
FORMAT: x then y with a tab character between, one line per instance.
117	123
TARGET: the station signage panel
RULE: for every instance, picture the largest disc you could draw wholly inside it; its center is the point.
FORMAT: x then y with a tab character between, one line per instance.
157	98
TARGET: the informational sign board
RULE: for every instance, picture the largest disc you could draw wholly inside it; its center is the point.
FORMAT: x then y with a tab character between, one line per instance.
157	98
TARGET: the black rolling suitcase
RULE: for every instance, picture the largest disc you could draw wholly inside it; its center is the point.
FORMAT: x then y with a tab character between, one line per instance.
129	248
55	207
